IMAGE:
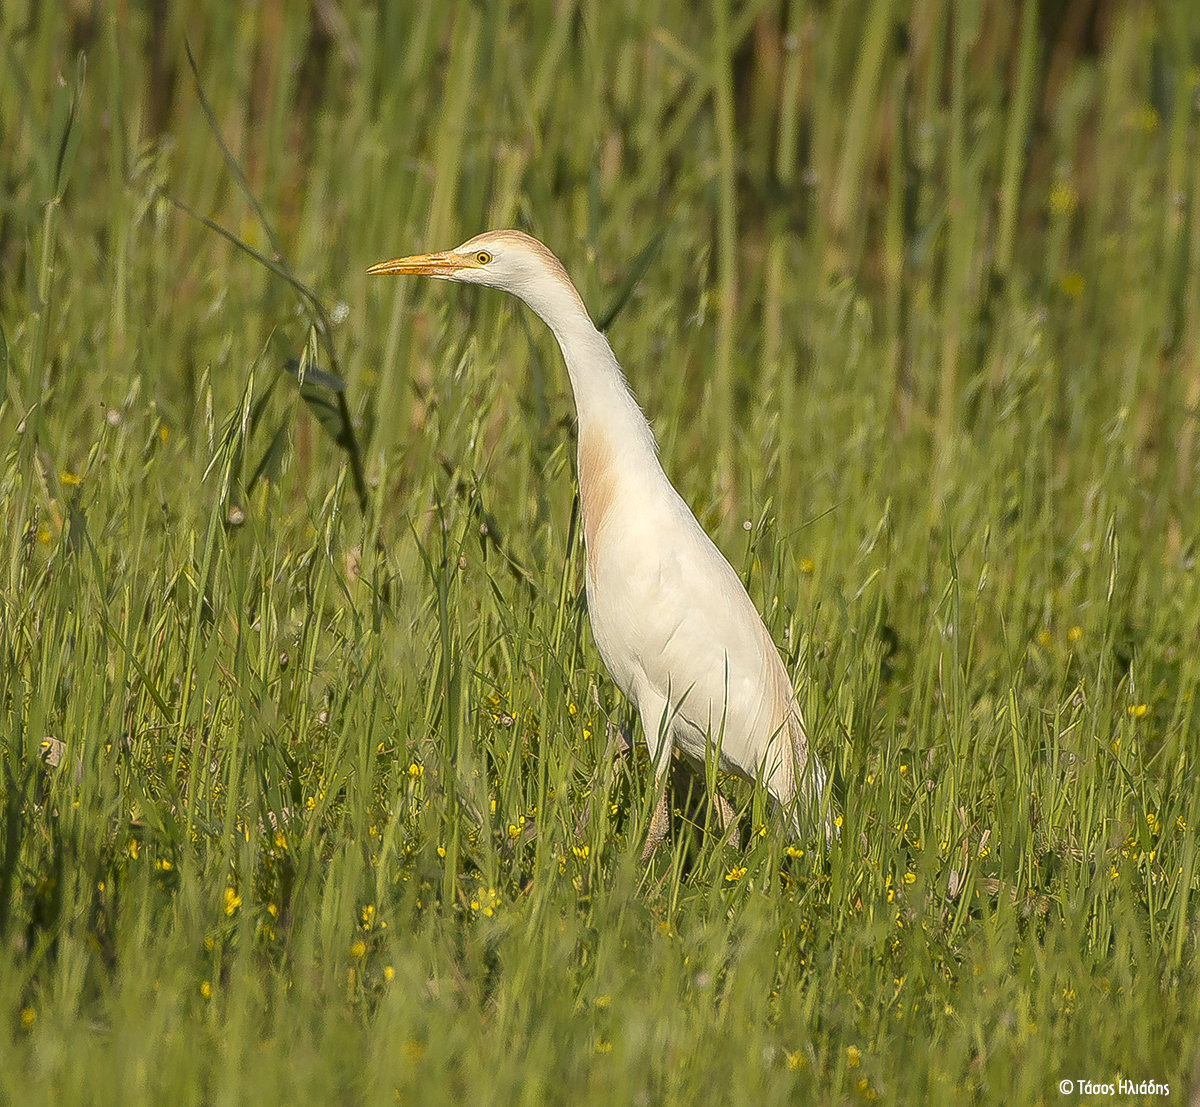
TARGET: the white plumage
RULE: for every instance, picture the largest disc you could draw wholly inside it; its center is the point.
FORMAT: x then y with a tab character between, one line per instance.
671	618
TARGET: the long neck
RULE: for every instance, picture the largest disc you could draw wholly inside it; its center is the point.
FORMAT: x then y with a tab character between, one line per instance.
618	458
603	401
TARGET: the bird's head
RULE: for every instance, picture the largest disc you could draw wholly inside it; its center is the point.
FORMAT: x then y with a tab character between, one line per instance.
511	261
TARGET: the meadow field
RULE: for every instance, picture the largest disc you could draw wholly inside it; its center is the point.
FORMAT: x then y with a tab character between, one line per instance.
312	787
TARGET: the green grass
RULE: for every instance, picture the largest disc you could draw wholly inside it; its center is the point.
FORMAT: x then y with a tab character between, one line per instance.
333	816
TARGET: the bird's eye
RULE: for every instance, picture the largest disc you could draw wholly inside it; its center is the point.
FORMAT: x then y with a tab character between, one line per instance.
483	257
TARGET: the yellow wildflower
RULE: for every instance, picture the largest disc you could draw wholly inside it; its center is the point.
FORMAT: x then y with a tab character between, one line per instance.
1071	284
1063	198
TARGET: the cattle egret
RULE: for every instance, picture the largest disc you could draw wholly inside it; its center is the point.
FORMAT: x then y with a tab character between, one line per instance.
672	620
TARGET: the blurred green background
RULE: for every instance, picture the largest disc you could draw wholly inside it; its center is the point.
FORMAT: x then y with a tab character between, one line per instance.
310	794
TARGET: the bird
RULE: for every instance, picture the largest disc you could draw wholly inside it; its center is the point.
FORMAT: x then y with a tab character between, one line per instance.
674	625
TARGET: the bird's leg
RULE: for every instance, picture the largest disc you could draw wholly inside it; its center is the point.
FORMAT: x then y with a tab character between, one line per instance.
660	821
688	777
728	817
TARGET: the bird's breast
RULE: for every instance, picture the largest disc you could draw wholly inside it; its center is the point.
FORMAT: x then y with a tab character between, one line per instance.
628	530
597	489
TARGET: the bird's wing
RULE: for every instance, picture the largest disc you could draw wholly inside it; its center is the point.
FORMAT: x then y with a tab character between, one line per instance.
690	635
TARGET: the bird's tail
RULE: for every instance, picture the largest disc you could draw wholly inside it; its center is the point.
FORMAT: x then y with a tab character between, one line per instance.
797	778
812	806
